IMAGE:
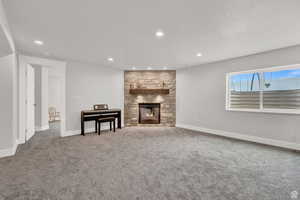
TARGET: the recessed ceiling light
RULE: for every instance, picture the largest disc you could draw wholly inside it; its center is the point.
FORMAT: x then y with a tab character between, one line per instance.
199	54
159	33
110	59
38	42
149	68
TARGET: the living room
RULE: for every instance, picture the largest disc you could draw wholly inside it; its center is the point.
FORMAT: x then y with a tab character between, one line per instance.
149	99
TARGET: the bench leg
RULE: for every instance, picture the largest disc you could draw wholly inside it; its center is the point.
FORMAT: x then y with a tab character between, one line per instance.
110	125
99	128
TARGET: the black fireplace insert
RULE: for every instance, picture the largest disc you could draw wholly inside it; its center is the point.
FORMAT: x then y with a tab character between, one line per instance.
149	113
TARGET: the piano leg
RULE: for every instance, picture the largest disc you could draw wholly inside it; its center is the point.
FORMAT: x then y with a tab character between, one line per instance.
82	127
96	126
82	123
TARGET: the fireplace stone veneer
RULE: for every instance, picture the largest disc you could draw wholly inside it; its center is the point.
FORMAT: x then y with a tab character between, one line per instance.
150	80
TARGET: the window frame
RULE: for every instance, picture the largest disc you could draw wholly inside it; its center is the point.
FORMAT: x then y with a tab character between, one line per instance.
261	109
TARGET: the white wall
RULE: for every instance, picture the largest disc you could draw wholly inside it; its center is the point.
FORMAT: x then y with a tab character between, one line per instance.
6	96
201	98
37	96
44	95
9	89
8	105
54	92
87	85
41	97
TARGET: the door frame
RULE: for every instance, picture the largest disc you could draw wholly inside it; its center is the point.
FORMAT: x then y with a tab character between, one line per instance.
27	135
58	65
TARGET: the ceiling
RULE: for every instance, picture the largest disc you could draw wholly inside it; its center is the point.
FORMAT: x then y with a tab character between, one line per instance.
92	30
4	45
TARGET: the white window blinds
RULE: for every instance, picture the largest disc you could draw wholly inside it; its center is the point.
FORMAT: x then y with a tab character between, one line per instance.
272	90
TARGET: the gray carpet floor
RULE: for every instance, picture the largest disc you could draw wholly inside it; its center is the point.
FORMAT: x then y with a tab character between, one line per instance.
148	163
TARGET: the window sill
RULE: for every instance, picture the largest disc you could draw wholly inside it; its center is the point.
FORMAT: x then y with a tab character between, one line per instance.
274	111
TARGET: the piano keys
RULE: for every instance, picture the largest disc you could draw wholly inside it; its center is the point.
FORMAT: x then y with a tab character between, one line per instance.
93	115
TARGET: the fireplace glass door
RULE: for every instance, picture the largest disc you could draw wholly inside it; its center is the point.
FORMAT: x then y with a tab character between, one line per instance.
149	113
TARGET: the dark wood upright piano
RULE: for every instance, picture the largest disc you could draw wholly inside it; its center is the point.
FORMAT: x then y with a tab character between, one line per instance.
93	115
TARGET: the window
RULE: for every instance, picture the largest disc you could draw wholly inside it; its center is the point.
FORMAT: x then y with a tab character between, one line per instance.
275	89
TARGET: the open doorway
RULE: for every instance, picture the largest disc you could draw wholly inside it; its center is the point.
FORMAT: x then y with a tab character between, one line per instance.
54	101
43	101
42	87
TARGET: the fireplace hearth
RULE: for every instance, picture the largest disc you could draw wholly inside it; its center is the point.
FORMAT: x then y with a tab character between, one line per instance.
149	113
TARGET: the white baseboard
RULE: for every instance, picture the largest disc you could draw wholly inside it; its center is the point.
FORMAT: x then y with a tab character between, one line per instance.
9	151
267	141
41	128
6	152
15	147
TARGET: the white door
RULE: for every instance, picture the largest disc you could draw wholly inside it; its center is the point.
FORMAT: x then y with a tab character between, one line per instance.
30	103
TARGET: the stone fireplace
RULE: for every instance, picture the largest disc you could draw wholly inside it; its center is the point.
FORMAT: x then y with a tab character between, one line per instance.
149	113
150	98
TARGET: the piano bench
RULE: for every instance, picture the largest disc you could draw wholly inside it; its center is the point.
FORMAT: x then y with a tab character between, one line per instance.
106	119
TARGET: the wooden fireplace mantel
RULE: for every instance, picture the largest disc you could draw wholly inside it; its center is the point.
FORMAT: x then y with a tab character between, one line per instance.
148	91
